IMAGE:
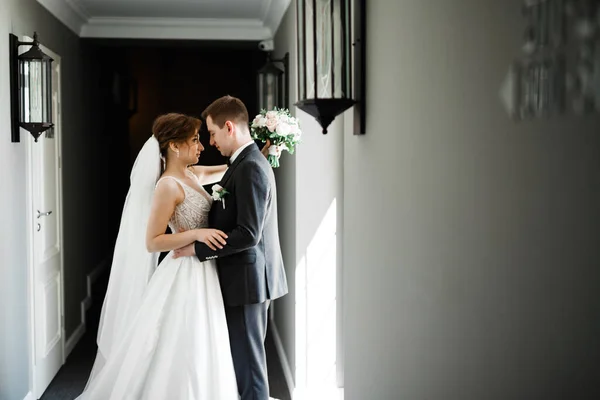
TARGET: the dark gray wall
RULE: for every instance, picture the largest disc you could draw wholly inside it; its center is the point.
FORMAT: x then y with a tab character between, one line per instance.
285	312
471	242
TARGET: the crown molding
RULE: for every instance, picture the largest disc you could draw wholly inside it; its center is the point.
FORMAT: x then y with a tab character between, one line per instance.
78	8
175	28
76	17
273	14
69	12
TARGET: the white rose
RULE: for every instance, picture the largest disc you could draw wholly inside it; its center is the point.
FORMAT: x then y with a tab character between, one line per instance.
215	192
271	124
271	115
283	129
296	131
259	121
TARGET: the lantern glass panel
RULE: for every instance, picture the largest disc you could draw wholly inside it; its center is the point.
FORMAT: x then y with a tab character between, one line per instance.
24	91
301	50
324	49
309	38
270	86
46	92
33	92
273	91
342	50
36	91
261	91
268	91
282	92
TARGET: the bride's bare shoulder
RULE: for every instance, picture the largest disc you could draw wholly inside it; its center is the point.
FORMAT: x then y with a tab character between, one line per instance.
168	187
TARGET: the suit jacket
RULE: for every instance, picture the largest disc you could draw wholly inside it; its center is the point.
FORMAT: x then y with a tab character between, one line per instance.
250	265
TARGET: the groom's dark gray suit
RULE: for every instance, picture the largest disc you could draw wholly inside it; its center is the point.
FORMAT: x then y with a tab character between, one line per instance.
250	265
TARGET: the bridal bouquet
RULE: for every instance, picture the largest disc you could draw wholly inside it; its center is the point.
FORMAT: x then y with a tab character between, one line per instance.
280	128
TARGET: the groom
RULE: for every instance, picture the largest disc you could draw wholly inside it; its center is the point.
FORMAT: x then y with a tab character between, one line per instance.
250	265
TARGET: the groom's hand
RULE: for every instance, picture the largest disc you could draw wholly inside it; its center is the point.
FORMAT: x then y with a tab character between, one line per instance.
265	149
187	251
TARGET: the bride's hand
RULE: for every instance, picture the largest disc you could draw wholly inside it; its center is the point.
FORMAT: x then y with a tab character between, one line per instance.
265	149
213	238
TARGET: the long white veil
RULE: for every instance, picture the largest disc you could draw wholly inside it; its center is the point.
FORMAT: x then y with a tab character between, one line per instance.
132	265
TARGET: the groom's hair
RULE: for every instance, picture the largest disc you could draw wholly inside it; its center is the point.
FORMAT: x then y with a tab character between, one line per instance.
226	108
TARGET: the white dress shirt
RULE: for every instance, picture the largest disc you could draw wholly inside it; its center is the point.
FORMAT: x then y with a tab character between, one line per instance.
238	151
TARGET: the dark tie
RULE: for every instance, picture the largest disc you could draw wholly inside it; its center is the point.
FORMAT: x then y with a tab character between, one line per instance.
229	162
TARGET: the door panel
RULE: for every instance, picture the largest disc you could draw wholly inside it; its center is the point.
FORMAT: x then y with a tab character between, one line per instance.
45	189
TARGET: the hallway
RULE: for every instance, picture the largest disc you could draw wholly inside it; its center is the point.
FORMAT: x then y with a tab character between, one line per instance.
465	254
72	377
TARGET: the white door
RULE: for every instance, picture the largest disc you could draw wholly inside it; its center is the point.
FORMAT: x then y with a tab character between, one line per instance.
46	281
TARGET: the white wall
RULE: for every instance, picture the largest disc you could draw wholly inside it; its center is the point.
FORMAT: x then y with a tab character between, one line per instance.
14	376
83	185
471	257
308	183
469	241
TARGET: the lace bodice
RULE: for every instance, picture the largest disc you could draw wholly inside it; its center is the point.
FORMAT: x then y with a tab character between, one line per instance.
192	212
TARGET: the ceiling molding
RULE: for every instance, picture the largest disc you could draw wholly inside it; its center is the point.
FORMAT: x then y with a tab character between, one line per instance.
274	14
175	28
73	17
78	8
81	22
264	11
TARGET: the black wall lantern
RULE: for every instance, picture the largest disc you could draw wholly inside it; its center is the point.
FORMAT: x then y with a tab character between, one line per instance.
30	89
331	62
273	83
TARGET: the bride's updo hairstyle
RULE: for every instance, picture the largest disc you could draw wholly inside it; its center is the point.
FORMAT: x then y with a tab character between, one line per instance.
174	127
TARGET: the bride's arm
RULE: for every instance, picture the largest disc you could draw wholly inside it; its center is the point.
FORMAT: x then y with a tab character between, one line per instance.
209	174
214	173
167	196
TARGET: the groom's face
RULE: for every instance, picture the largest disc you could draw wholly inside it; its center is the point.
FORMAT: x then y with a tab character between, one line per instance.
219	137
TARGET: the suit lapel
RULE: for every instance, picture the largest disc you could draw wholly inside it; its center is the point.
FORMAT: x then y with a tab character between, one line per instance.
236	163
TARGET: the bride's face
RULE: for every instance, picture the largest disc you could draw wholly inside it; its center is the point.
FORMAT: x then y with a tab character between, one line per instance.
189	152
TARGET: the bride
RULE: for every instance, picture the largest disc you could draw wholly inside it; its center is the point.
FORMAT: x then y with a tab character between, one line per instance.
165	337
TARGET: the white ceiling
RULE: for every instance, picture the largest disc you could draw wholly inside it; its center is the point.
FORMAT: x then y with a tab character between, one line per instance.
171	19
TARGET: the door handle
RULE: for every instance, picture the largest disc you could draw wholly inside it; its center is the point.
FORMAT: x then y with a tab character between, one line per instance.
43	214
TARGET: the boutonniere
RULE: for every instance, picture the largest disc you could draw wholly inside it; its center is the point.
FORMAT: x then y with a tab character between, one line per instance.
218	194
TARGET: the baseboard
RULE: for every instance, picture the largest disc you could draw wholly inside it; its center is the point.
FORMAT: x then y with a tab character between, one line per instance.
91	279
74	339
86	303
285	364
29	396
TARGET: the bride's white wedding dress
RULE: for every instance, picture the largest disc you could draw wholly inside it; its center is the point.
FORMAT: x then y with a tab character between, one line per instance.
177	346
